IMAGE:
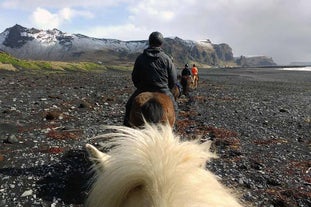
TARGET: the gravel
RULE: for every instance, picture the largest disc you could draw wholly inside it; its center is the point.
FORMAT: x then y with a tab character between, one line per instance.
259	121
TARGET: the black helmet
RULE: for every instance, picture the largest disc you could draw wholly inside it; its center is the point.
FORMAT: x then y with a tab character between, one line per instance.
186	65
156	39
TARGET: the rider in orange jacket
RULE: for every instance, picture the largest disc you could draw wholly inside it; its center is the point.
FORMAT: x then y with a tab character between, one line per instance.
194	70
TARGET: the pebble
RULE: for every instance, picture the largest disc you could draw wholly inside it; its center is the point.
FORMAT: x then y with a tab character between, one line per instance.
12	139
27	193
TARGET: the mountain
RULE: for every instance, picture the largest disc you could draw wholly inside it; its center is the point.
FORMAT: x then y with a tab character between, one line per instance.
56	45
53	44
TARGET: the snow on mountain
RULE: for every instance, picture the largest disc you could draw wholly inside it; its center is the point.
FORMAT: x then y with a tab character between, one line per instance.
54	44
39	43
3	35
56	38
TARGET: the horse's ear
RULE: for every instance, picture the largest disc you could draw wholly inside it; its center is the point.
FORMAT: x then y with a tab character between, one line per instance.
95	154
206	146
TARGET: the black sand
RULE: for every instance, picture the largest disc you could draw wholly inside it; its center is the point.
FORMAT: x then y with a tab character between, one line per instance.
259	120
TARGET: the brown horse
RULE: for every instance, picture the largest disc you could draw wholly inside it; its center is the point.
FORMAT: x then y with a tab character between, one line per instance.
152	107
176	91
186	82
195	80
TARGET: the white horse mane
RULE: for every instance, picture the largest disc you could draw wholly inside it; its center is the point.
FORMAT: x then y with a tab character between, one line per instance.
151	167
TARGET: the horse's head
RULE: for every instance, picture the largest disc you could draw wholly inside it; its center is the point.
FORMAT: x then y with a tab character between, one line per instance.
151	167
152	107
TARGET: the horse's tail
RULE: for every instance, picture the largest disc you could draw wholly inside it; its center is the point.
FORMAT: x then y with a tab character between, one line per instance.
152	111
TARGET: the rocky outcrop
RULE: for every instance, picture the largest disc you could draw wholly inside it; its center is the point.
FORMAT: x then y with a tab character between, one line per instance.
256	61
15	39
224	52
203	52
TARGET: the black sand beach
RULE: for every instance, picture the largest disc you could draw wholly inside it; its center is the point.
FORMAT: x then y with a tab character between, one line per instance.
259	120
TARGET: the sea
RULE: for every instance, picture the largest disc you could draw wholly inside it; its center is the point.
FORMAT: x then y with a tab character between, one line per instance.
298	74
307	68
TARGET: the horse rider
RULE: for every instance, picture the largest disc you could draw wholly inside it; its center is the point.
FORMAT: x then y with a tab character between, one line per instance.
153	71
185	75
194	70
195	76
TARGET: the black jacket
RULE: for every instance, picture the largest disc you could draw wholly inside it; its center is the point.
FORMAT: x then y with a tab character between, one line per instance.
154	71
186	72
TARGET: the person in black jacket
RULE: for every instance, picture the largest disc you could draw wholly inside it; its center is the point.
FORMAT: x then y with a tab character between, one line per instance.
153	71
186	71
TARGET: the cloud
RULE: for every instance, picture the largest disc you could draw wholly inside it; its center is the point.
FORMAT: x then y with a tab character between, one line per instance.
47	20
120	32
9	4
66	14
58	4
160	10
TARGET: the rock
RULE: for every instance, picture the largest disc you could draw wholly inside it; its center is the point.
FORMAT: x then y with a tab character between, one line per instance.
27	193
283	110
11	139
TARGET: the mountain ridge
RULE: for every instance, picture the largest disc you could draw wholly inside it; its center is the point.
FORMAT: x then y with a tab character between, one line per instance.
55	45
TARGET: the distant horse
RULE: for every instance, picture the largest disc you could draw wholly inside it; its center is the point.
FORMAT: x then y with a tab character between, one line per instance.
176	91
195	80
152	107
151	167
186	82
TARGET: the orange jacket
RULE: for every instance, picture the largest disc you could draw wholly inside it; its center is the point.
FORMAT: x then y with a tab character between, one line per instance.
194	70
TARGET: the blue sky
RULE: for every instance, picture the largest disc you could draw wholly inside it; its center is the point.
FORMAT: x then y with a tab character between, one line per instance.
280	29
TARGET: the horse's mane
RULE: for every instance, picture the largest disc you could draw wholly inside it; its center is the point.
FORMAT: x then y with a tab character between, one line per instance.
152	111
155	161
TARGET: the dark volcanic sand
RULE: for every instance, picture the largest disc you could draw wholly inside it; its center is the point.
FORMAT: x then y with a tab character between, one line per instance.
259	120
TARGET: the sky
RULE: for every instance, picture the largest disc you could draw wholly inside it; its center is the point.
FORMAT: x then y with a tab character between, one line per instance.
280	29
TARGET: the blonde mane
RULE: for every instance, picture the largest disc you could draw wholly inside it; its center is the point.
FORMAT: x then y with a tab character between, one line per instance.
151	167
